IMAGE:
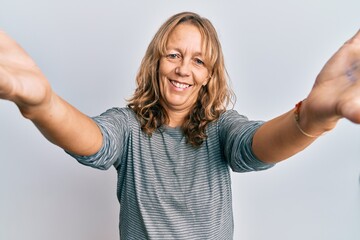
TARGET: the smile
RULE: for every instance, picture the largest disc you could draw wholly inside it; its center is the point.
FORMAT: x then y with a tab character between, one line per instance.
180	85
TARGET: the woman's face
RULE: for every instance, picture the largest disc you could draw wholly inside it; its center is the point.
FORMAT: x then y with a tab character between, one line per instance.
182	71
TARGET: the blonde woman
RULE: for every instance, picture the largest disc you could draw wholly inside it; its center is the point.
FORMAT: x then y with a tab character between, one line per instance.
174	144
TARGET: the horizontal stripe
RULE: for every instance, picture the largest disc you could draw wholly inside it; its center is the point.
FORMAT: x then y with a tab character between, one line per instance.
168	189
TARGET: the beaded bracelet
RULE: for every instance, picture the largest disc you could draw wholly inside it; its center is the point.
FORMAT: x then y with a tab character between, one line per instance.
297	120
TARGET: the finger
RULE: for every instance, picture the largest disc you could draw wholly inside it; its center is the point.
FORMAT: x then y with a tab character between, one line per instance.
6	42
355	38
11	53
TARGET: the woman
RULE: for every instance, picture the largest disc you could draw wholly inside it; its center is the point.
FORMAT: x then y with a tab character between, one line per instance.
173	145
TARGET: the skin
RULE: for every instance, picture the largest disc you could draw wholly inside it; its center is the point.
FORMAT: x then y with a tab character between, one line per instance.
22	82
182	72
319	113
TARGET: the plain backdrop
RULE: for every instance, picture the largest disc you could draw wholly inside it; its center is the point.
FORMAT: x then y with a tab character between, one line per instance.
91	50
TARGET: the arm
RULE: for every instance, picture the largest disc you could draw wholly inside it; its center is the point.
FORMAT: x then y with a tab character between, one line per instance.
335	95
22	82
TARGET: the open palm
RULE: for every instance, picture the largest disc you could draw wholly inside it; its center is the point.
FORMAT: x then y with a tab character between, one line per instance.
21	81
336	92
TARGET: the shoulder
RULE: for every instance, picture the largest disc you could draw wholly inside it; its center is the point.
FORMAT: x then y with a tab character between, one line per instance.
118	113
117	119
231	121
227	122
230	116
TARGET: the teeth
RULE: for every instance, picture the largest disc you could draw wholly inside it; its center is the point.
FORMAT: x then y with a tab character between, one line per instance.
180	85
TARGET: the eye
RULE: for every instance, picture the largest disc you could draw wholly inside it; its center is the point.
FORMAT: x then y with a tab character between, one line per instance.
173	56
199	61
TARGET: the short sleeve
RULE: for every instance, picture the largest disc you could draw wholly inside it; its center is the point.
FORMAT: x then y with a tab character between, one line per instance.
114	126
236	134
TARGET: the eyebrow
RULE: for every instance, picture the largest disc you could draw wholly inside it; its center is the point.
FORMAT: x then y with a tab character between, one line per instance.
179	50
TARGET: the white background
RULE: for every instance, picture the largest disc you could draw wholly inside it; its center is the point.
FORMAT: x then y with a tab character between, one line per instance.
91	51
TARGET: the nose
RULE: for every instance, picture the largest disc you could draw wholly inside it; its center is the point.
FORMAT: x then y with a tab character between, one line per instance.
183	69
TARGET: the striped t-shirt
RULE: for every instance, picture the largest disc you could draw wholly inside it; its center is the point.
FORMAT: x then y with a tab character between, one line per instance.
167	188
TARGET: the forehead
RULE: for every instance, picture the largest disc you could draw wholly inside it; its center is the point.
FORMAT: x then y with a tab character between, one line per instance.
186	36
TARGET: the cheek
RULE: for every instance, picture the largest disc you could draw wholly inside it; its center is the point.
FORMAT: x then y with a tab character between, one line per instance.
165	67
161	66
162	75
202	78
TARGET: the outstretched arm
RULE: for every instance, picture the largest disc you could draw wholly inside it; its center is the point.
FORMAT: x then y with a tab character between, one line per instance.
335	95
22	82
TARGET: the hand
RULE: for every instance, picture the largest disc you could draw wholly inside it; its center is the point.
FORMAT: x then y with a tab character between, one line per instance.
336	92
21	81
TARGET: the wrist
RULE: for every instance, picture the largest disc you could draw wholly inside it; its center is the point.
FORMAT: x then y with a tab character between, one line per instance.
39	109
309	123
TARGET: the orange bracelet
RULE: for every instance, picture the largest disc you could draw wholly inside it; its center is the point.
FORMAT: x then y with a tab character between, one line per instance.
297	120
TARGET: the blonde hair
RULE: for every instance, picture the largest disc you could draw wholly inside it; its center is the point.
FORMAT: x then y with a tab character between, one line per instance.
212	99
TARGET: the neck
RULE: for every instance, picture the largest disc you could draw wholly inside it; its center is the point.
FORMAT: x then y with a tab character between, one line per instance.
176	117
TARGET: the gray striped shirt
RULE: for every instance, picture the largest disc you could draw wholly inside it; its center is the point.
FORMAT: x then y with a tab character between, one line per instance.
168	189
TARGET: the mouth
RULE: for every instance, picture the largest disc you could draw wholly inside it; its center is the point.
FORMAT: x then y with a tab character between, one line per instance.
179	84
